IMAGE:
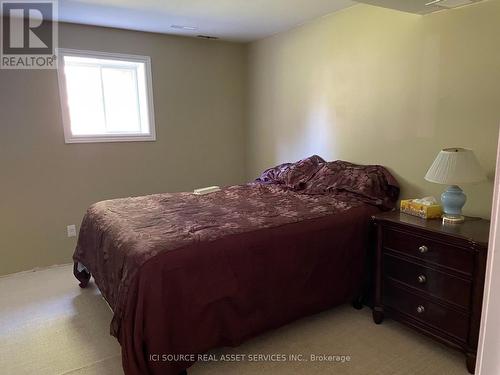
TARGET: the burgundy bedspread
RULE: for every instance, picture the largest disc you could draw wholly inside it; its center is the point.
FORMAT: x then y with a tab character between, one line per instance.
185	273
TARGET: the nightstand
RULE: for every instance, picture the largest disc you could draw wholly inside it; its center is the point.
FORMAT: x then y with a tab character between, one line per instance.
430	276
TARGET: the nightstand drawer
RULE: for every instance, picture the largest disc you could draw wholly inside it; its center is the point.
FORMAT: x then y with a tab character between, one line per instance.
430	251
428	280
449	321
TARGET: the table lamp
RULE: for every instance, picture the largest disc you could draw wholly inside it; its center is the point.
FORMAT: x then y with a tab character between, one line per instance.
455	166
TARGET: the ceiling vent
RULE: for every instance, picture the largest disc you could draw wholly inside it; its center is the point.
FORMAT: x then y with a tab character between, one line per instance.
420	6
451	3
182	27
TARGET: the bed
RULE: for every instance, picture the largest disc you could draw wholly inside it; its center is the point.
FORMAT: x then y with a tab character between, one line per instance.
184	273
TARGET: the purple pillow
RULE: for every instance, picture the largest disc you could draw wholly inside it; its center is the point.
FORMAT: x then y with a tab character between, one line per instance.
302	171
274	175
292	175
371	183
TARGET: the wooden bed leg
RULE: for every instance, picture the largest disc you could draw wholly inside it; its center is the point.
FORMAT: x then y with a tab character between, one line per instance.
378	315
357	303
83	285
82	276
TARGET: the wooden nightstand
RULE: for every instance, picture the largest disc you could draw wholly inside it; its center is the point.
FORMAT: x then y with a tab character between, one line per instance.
430	277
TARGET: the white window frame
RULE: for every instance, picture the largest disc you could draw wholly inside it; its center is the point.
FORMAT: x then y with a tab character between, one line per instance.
68	135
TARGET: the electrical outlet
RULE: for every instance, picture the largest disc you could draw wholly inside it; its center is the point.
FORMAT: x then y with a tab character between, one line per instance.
71	229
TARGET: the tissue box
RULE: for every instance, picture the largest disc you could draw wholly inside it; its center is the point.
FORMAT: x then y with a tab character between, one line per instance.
410	207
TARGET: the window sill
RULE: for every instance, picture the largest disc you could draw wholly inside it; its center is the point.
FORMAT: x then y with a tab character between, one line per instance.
110	138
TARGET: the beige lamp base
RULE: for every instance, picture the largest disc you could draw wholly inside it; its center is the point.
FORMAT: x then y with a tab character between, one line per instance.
453	219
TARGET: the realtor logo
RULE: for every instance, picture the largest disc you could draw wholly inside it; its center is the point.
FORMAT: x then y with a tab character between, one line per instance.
29	35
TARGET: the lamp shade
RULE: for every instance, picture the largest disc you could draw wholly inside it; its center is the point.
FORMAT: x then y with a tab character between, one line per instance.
454	166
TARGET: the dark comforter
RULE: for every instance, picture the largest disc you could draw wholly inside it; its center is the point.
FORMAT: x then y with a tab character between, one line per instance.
186	273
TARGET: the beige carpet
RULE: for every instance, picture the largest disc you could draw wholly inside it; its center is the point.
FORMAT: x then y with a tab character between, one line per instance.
49	326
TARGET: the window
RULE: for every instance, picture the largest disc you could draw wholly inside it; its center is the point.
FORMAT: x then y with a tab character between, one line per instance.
105	97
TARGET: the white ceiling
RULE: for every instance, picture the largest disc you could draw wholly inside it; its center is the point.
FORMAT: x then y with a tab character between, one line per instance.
236	20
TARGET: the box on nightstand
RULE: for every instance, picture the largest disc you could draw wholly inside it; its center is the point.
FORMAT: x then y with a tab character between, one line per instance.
408	206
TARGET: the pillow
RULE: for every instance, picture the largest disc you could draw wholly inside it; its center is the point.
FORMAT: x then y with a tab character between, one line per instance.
373	184
302	171
274	175
292	175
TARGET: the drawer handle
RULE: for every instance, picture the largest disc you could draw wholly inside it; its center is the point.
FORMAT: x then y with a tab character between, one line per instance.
422	279
423	249
420	309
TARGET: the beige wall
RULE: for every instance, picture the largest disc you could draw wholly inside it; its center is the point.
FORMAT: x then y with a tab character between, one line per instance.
372	85
45	184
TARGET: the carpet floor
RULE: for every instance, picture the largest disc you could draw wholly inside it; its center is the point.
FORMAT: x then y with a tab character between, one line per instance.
49	326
